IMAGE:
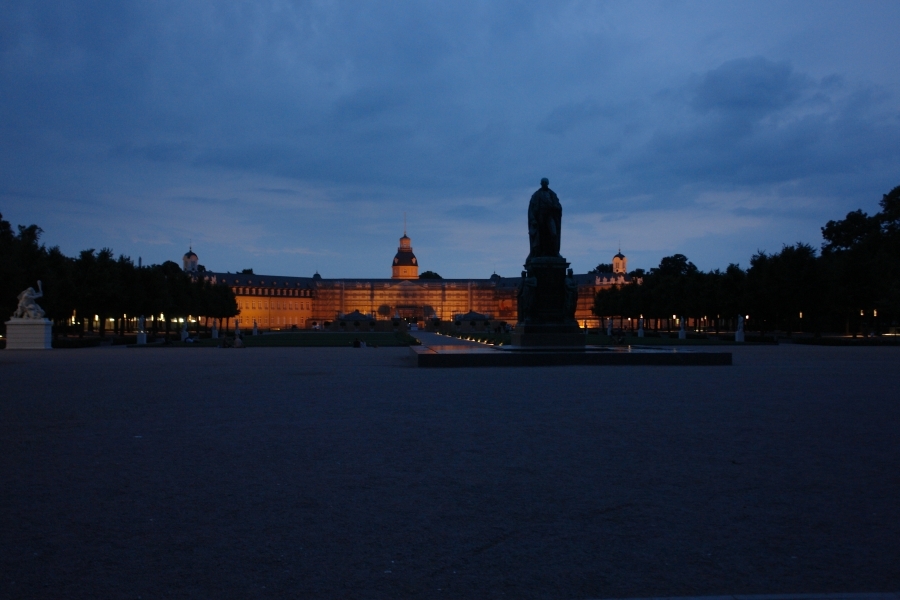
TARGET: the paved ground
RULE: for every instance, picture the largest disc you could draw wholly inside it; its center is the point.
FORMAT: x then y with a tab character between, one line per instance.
345	473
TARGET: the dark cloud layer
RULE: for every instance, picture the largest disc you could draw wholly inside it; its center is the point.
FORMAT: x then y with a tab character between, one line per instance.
262	129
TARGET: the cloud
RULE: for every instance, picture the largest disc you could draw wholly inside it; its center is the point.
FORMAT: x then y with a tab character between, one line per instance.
315	125
285	191
754	86
757	122
207	201
157	152
566	117
469	212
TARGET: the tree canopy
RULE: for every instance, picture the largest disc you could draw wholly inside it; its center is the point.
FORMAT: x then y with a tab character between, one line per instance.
97	283
601	268
855	277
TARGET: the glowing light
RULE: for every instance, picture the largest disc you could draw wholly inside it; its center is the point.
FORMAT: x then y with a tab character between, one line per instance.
801	314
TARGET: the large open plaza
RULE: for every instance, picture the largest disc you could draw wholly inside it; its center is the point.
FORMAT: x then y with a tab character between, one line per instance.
349	473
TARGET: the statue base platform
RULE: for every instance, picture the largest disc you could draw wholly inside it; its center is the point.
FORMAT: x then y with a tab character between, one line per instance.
29	334
544	322
549	304
544	335
142	338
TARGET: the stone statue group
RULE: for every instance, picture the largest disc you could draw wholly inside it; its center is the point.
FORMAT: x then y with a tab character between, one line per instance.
28	329
28	308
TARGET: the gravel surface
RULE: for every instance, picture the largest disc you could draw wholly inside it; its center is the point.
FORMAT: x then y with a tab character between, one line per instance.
346	473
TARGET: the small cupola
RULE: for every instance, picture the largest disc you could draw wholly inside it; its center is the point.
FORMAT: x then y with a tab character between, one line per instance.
405	265
620	263
189	261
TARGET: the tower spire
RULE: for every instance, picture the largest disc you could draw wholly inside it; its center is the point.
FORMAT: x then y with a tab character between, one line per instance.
404	222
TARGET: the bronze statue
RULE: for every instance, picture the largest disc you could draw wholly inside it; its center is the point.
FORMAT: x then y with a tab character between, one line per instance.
526	296
544	222
548	290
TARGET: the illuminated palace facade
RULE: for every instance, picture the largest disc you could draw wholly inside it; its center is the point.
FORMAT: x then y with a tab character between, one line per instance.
280	302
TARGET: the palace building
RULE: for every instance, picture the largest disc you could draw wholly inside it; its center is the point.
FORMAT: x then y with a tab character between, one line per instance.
280	302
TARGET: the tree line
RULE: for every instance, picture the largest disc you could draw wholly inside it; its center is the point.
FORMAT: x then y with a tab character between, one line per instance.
97	283
852	285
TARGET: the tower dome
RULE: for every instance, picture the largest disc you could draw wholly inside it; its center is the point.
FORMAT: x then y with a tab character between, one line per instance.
189	260
405	264
620	263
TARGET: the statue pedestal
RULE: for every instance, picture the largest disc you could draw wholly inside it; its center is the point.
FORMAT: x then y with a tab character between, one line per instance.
142	338
547	323
29	334
546	335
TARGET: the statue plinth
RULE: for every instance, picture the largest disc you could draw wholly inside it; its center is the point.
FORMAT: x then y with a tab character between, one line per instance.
29	334
545	310
547	336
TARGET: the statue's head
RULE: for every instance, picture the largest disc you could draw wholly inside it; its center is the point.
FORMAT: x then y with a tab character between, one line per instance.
545	182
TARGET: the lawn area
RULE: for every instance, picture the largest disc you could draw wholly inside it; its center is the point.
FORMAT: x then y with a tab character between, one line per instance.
387	339
633	340
316	339
485	338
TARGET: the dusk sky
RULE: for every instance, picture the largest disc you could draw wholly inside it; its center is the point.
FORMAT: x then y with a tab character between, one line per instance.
290	137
